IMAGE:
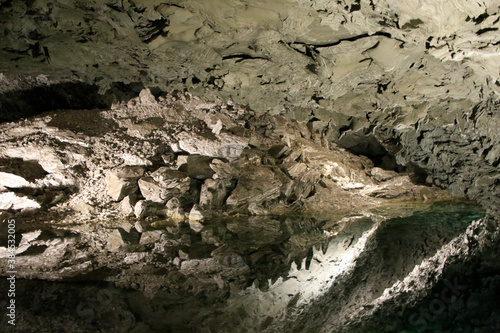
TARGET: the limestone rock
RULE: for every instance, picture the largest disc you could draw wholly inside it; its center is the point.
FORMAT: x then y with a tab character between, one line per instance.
174	210
259	185
12	181
127	205
164	184
146	98
123	182
153	190
224	145
382	175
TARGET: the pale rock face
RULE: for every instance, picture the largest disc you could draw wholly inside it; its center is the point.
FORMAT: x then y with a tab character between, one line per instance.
12	181
119	188
11	200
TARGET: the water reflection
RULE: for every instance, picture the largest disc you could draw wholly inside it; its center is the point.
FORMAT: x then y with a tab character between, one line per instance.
246	275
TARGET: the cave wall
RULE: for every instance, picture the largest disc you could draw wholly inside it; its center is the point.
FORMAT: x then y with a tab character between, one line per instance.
416	72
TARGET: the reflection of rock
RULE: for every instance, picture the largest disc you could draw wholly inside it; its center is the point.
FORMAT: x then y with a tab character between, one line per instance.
196	214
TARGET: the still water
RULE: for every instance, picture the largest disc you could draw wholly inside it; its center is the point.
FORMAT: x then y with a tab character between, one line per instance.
253	274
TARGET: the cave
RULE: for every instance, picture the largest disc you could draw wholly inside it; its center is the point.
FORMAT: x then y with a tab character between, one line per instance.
249	166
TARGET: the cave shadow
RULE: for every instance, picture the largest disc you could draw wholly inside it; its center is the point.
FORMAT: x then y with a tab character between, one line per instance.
74	95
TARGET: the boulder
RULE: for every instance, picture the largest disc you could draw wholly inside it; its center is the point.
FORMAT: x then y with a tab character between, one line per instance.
123	181
381	175
127	205
174	210
258	185
164	184
12	181
145	208
223	145
214	192
153	190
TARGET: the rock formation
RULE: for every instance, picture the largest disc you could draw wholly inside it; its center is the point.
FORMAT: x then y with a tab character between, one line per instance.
245	149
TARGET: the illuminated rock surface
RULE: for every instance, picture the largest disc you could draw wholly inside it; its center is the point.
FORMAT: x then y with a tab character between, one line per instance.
131	128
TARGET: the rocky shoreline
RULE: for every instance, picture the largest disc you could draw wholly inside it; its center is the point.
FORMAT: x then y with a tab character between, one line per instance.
186	159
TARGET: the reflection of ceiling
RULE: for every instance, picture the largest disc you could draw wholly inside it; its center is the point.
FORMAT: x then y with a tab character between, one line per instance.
345	56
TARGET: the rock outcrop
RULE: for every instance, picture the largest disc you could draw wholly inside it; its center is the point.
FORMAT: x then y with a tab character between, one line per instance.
144	163
156	120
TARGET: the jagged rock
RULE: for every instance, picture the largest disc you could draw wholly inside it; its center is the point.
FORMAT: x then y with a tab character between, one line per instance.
214	193
127	205
493	155
146	98
224	145
258	185
382	175
182	161
153	190
164	184
174	209
142	209
123	182
138	226
16	173
278	151
198	167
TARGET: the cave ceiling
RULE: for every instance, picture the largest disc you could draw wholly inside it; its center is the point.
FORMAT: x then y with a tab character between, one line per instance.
330	60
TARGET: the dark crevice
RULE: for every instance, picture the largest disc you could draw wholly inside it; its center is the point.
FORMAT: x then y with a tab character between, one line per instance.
367	145
349	39
18	104
428	43
355	6
480	18
485	30
154	30
241	56
382	87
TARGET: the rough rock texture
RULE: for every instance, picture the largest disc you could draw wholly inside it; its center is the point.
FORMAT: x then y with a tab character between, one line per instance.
348	104
358	72
127	160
